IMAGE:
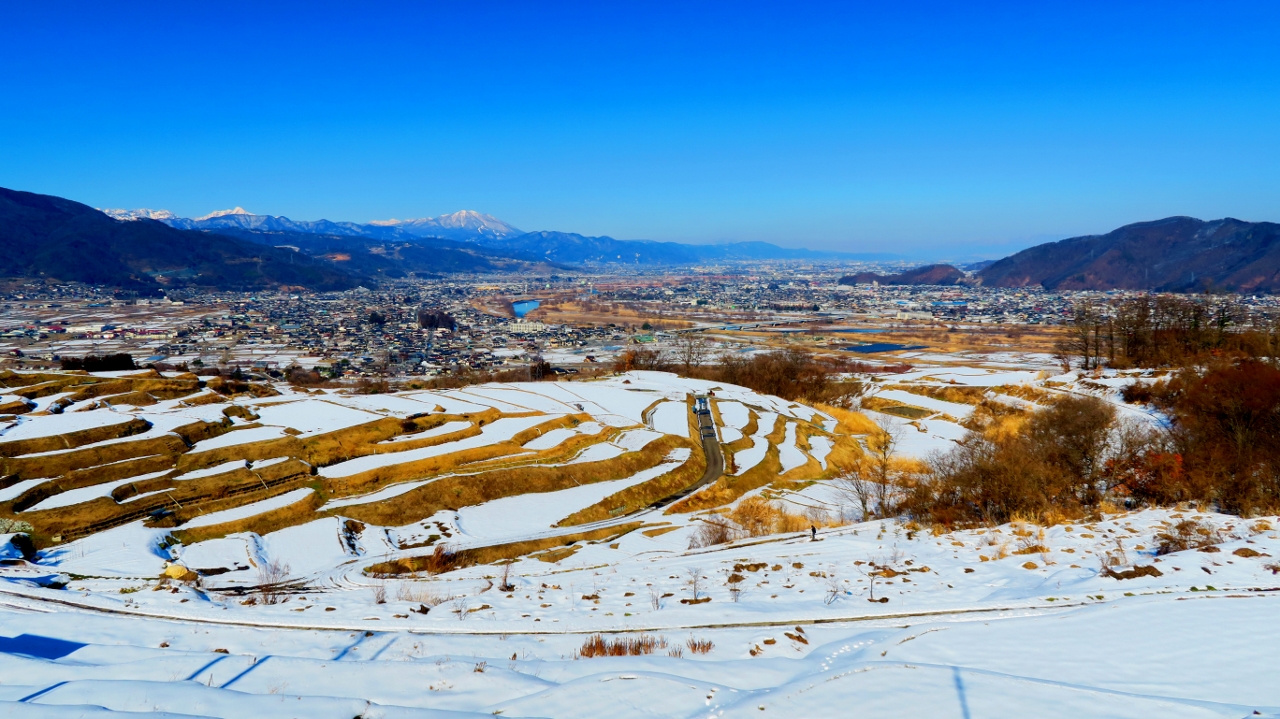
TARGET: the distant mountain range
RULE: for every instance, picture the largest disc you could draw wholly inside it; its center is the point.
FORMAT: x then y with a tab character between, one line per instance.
1176	254
464	225
50	237
498	238
146	250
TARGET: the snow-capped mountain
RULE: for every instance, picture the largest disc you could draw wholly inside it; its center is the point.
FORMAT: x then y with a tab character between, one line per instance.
223	213
464	224
139	214
240	219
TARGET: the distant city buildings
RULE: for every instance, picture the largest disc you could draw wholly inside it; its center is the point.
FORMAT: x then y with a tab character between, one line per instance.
428	327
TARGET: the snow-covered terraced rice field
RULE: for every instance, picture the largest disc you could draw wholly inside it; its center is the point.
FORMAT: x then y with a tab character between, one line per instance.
964	625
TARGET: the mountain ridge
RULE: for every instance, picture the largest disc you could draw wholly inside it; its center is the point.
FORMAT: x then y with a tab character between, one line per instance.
494	234
1173	254
56	238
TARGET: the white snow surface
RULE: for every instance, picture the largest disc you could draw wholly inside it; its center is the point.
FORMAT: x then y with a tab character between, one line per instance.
238	437
515	517
987	642
90	493
789	454
819	448
446	428
54	424
313	416
969	629
753	455
671	418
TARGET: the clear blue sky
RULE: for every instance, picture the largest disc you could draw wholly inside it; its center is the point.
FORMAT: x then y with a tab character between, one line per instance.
933	129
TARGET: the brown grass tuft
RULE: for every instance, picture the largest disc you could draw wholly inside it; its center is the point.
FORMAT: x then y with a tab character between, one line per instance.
597	645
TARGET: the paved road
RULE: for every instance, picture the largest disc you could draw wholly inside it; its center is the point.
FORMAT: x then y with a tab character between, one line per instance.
715	461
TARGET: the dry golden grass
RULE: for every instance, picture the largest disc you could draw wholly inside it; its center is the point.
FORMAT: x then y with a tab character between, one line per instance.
565	311
553	556
512	550
199	431
339	445
502	552
642	495
901	409
252	451
731	449
454	492
957	394
811	469
472	458
71	440
996	419
59	463
131	399
145	390
34	387
203	398
16	406
88	477
11	379
188	497
1029	392
848	421
597	646
297	513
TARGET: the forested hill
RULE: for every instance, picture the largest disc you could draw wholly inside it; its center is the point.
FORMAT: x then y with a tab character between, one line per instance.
1176	254
55	238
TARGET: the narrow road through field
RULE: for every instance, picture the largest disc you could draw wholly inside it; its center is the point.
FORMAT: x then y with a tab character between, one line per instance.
710	447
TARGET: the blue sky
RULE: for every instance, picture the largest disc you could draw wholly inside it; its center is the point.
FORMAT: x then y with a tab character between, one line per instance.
931	129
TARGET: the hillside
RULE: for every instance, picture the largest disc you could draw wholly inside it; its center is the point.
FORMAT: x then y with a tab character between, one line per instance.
51	237
1176	254
926	275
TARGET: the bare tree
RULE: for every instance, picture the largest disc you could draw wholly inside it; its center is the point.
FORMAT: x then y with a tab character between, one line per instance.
834	589
695	581
506	585
691	350
271	577
857	488
868	485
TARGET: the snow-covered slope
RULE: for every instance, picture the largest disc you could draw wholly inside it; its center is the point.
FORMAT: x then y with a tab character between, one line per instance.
263	600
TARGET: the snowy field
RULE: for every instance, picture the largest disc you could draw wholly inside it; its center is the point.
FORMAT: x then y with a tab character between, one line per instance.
124	617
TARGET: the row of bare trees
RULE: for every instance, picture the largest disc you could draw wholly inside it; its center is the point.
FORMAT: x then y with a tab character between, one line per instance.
1163	331
792	374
